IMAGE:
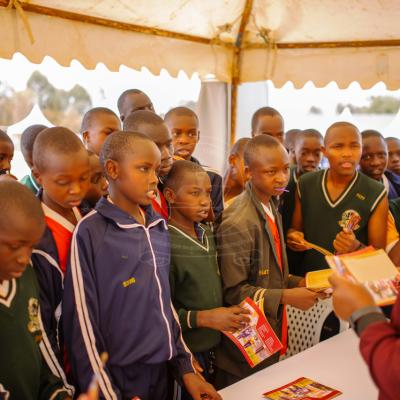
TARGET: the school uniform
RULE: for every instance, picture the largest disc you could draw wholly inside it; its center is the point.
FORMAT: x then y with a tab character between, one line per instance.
324	218
195	285
49	259
392	184
117	300
287	204
24	348
217	192
253	263
30	182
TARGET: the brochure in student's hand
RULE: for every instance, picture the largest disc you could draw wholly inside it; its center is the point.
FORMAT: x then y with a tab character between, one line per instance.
373	268
302	389
257	341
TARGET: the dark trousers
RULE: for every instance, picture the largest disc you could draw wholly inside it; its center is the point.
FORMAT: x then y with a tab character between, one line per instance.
146	381
205	359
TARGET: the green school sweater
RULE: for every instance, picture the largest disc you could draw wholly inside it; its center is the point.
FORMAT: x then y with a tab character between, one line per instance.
323	218
30	182
195	285
23	372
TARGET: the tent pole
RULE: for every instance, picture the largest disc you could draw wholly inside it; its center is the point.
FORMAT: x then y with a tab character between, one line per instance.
236	66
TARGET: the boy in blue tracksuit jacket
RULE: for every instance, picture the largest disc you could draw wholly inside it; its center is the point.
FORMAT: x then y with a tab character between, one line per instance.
116	295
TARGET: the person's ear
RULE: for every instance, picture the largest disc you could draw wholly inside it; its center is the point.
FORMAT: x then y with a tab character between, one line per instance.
85	137
247	173
169	195
232	160
112	170
198	135
37	176
323	149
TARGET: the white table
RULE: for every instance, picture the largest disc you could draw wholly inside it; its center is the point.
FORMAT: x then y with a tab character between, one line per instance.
335	362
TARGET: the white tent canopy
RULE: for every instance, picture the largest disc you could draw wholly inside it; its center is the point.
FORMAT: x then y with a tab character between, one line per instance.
239	40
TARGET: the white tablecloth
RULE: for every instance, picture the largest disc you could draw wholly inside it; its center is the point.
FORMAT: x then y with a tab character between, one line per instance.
335	362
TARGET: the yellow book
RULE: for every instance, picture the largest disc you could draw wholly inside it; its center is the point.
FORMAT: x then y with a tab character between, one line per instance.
317	281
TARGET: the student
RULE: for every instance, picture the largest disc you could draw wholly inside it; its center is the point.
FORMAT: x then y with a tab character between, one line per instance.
394	154
122	251
183	124
268	121
374	160
96	125
61	167
153	126
194	277
133	100
307	153
6	153
98	185
393	229
289	142
335	197
28	138
252	253
235	178
24	373
379	337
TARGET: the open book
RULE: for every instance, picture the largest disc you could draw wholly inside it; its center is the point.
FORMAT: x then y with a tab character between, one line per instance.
257	341
373	268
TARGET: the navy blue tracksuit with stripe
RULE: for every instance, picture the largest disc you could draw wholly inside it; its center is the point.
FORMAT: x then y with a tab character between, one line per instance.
117	300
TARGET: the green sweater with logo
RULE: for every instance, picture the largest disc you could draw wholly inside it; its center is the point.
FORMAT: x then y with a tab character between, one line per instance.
195	284
23	371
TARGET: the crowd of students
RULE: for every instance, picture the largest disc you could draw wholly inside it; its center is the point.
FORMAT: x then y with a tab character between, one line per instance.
122	272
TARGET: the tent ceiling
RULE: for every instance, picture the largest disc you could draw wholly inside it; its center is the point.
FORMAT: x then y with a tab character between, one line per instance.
296	40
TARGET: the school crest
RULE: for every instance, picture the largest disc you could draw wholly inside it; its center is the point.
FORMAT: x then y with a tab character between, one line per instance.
350	220
34	323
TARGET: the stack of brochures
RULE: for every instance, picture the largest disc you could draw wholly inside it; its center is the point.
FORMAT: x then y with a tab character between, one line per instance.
373	268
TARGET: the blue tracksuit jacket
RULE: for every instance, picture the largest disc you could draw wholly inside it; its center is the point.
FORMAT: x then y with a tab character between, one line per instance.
117	299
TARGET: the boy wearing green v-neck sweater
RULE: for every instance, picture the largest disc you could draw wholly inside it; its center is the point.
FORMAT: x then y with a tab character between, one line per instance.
196	289
26	357
339	209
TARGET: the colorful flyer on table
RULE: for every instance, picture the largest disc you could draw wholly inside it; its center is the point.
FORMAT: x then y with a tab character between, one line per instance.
302	389
257	341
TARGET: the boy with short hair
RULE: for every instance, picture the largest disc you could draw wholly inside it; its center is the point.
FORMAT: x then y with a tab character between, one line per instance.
252	253
98	185
394	154
374	160
122	251
289	142
307	152
97	124
61	167
154	127
235	178
6	153
194	277
268	121
24	373
338	197
28	138
133	100
183	124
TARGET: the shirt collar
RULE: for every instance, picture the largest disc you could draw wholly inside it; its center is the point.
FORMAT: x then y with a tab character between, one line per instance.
107	209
